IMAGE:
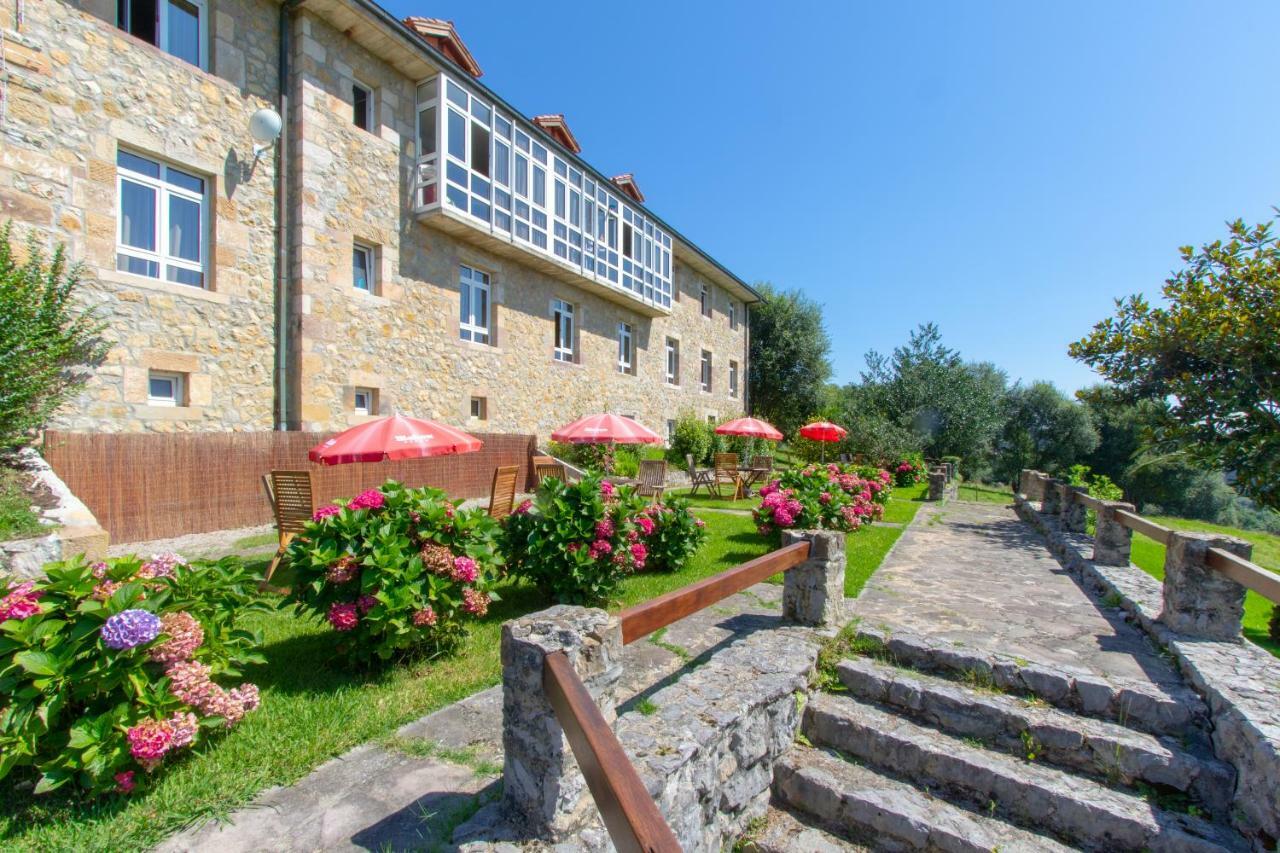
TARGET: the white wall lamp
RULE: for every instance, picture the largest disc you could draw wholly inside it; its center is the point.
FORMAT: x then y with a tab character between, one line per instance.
264	127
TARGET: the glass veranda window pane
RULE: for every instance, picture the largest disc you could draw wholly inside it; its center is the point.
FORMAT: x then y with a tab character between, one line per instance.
184	31
479	149
427	130
457	136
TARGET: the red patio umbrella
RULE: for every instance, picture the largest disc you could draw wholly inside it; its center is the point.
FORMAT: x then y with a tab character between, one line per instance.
393	437
823	431
605	429
751	428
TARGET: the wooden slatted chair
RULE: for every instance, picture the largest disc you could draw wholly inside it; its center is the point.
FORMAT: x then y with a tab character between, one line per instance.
547	466
698	479
502	496
653	479
726	474
293	502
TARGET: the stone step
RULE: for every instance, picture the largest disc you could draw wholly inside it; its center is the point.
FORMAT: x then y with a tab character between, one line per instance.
1029	793
1031	728
1166	708
865	805
788	831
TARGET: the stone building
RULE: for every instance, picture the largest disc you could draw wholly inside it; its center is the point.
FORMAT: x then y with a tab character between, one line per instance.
410	242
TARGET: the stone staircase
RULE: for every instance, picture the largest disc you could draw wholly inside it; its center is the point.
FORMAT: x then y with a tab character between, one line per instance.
918	745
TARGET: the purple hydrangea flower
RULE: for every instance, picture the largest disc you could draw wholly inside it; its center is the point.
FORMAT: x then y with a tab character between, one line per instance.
130	628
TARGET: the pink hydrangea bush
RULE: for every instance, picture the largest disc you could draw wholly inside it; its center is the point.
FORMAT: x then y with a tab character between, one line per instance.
908	470
395	571
831	496
112	668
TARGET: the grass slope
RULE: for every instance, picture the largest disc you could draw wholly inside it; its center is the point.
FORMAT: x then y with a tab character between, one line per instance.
16	518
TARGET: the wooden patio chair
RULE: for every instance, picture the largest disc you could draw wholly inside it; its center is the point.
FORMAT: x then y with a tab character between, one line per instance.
292	502
653	479
547	466
502	495
727	474
698	478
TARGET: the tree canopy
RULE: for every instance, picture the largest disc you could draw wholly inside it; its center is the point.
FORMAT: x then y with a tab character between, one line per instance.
1211	355
1044	430
789	362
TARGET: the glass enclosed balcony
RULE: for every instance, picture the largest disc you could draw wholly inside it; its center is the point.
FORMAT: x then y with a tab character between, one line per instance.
483	174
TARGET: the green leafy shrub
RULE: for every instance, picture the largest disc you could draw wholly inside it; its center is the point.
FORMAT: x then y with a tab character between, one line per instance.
675	535
692	436
108	669
46	340
396	571
832	496
601	458
908	470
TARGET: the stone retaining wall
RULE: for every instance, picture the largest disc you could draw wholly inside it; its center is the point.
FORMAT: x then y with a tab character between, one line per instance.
1239	681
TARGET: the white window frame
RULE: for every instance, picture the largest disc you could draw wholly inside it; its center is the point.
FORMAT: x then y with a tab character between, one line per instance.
733	379
704	302
370	107
562	314
626	348
370	266
704	371
475	327
733	315
162	29
483	407
673	362
179	388
164	190
370	406
671	431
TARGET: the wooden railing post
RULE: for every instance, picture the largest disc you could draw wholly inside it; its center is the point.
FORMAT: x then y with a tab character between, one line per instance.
1112	541
1075	514
543	790
1200	601
813	592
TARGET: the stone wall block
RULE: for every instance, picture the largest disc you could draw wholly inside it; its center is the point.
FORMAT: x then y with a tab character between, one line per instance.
1074	513
1112	540
813	592
1051	500
937	485
1200	601
543	789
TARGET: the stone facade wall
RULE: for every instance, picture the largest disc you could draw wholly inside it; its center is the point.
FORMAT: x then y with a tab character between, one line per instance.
404	342
79	90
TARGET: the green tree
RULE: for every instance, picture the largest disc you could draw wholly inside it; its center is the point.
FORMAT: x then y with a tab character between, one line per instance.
47	341
1211	353
789	362
1044	429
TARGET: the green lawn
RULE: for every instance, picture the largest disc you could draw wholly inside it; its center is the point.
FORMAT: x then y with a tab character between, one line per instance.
1148	555
905	503
313	710
16	518
702	499
984	494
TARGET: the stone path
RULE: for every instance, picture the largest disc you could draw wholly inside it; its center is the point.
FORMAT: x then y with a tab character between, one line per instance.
411	791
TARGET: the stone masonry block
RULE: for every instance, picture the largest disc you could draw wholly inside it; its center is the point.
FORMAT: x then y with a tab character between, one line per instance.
1051	502
813	592
543	790
937	485
1112	540
1074	513
1199	601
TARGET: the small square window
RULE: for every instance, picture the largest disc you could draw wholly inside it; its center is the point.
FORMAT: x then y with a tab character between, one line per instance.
364	267
479	408
362	106
165	389
711	419
364	401
671	431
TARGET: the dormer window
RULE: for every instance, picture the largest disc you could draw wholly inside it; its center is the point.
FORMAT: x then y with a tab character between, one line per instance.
441	35
627	183
559	130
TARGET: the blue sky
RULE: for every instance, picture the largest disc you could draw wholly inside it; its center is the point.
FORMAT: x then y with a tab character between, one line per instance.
1003	169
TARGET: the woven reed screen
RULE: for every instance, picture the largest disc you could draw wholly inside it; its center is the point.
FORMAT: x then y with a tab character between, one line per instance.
153	486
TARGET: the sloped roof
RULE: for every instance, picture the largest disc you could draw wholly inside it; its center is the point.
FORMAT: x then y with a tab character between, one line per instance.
627	183
442	35
554	124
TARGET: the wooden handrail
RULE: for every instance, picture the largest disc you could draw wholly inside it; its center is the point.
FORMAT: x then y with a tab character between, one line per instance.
1247	574
635	825
643	619
1088	500
1138	524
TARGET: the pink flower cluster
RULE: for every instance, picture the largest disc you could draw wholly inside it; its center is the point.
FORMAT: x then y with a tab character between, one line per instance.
344	615
465	570
325	511
639	554
365	603
525	506
600	548
424	618
190	682
604	528
162	565
342	569
781	507
368	499
606	489
185	636
22	601
646	525
475	602
151	739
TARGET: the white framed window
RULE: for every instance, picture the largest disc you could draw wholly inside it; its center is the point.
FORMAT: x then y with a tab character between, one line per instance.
364	268
673	361
711	419
166	389
364	401
706	371
178	27
162	220
479	408
562	314
473	305
704	301
733	379
362	107
671	431
626	349
733	315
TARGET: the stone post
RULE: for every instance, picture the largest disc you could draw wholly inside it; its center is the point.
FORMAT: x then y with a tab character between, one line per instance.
1112	540
1075	515
1035	490
937	484
1200	601
1024	482
543	791
1051	500
813	592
